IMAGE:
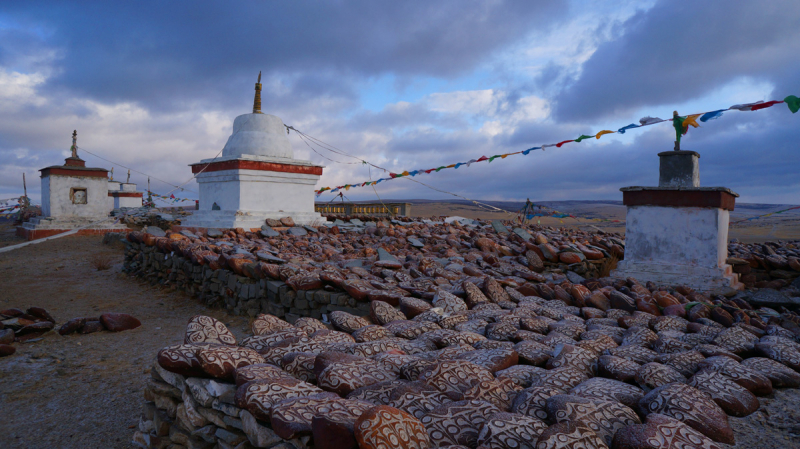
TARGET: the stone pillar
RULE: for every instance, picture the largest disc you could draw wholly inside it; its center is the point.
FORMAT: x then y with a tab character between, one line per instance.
679	169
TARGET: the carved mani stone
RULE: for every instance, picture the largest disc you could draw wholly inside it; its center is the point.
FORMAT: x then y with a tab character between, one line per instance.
569	435
779	374
617	368
662	432
267	324
653	375
455	375
692	407
458	422
182	359
734	399
605	418
205	329
222	361
347	322
384	427
609	390
510	430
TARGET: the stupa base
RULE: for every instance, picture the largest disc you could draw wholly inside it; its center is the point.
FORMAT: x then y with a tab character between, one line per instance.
249	220
699	278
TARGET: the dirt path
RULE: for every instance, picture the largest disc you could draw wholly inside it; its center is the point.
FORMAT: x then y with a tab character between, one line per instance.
83	391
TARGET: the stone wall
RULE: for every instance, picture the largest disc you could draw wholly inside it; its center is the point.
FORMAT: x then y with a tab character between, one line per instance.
190	412
240	295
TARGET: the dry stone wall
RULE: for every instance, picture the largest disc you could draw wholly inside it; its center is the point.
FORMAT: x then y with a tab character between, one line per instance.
191	412
240	295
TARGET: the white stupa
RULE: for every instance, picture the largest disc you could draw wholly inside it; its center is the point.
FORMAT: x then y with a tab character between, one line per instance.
256	177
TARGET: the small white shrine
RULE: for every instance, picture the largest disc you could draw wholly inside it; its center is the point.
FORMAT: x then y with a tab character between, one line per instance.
677	233
73	196
123	194
256	177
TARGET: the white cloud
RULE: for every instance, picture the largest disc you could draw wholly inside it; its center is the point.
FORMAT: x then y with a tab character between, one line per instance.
19	89
474	102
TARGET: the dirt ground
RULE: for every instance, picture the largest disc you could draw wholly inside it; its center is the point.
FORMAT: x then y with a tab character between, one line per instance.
85	391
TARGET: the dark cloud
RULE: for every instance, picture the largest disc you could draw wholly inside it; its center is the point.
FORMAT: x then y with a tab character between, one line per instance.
157	85
157	52
678	51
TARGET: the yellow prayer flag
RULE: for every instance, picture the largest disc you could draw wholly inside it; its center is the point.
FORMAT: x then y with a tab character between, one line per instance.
405	173
691	120
504	156
603	132
451	166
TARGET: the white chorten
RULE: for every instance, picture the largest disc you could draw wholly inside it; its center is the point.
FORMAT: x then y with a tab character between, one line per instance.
74	196
256	177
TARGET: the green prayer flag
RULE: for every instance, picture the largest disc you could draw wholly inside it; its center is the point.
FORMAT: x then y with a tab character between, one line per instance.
677	123
437	170
583	136
793	102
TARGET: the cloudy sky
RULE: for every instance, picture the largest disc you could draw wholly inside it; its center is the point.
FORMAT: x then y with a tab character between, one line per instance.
408	85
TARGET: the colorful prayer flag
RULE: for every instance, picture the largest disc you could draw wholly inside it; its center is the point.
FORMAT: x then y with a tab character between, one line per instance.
793	102
712	115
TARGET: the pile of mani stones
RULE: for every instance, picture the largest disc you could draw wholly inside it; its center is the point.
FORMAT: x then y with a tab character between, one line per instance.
18	326
497	370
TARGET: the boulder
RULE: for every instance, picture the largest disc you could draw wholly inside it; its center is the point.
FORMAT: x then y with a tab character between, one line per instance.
6	350
118	322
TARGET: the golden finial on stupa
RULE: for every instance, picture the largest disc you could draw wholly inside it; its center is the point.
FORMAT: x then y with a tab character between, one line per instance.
257	100
74	146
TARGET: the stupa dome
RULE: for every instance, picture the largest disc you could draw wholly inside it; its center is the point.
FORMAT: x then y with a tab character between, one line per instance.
258	135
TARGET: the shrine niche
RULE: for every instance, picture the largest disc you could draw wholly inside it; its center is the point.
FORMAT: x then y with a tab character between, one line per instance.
78	196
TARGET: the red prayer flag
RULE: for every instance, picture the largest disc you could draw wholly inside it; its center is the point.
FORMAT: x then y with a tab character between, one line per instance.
764	105
562	143
483	158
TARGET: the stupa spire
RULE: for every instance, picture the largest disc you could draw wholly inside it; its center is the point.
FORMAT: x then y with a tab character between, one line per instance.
257	100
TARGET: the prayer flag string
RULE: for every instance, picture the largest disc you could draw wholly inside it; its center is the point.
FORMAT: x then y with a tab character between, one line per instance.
171	198
792	101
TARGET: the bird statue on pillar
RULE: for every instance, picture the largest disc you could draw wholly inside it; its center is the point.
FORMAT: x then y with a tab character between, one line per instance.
74	146
257	100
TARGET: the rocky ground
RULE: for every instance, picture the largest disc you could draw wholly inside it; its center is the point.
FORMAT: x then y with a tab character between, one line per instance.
776	424
85	391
